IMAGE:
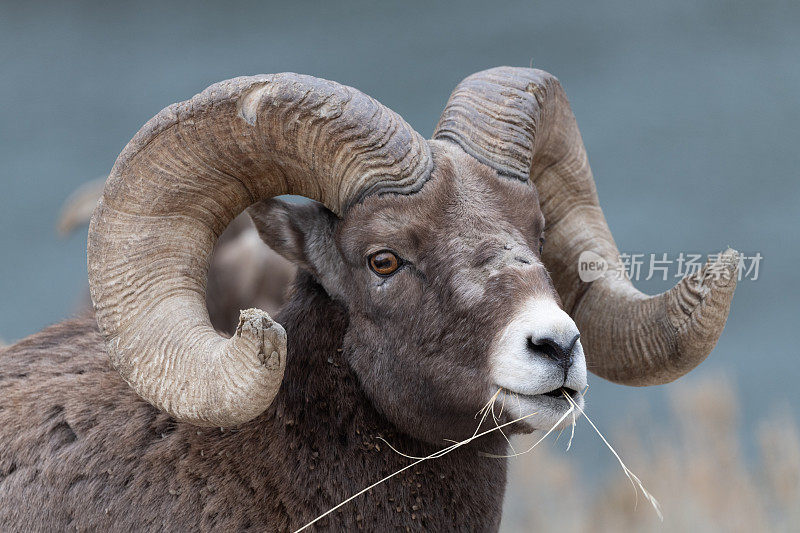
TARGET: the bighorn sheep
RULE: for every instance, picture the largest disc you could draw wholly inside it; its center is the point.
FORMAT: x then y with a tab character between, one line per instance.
243	272
423	289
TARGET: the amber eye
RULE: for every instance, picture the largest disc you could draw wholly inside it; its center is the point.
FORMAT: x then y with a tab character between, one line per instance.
384	263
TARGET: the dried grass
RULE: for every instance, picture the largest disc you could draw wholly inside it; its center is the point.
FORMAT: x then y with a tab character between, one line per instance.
693	461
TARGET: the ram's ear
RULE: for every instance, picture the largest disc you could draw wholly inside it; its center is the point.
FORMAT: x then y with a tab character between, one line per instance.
302	232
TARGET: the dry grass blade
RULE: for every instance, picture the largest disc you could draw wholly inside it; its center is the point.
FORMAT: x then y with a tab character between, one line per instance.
398	452
497	422
634	479
572	431
535	444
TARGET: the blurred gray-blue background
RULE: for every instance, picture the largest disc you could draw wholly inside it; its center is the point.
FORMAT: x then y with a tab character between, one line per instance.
688	109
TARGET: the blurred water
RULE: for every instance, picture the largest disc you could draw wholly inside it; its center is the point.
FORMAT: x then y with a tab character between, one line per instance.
688	110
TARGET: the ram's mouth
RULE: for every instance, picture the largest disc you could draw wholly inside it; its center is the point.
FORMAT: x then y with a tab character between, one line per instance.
560	392
557	393
544	410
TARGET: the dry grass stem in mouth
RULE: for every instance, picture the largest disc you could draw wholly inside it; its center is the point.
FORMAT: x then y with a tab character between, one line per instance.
485	410
487	405
434	455
497	422
535	444
634	479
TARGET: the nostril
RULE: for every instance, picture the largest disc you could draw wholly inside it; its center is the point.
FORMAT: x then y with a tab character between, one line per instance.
560	352
545	346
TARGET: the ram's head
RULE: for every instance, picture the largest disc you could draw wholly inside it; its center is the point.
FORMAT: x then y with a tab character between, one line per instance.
435	248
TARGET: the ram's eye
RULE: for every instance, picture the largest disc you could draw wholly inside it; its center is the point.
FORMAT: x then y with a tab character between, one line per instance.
384	263
541	245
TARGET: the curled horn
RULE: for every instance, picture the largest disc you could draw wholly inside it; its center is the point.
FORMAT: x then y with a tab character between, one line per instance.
174	188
